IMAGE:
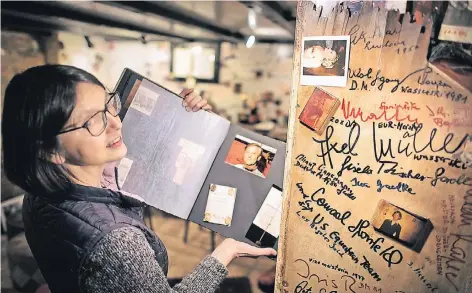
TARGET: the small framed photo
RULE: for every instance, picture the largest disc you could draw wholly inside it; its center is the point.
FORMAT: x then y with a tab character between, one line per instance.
318	111
402	226
251	156
325	60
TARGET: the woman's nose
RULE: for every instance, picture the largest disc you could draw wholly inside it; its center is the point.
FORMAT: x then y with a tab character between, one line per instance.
113	122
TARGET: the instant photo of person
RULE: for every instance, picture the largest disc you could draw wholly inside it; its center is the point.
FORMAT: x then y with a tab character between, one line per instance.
250	156
400	225
325	60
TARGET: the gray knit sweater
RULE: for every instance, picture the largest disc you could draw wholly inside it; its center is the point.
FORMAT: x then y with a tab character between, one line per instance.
123	261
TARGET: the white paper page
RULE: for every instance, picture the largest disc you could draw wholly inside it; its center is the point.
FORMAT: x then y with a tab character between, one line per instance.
220	204
270	214
171	150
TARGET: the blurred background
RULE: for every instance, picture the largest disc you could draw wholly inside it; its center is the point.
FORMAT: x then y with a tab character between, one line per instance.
236	54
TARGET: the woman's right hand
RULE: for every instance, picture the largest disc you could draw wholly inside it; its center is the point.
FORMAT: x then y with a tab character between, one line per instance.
230	249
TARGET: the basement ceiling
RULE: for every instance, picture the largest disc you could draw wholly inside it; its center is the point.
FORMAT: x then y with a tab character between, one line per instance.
202	21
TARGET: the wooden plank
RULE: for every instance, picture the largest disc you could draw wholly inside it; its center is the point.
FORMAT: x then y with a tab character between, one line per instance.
402	138
305	19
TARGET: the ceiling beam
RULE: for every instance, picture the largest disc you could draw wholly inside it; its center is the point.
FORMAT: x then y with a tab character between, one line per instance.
172	12
275	12
29	23
274	41
69	11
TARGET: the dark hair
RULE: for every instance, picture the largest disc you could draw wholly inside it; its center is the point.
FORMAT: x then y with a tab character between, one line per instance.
38	102
397	212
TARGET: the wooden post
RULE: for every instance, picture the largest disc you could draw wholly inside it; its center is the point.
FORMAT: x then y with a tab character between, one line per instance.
399	142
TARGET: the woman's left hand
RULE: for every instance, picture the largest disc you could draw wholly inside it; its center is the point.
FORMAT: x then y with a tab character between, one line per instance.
194	102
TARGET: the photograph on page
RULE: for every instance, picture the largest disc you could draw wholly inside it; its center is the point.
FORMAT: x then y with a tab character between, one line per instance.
220	204
265	229
251	156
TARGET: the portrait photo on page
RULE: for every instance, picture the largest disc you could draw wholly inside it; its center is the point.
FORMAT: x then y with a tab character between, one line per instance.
325	60
250	156
145	100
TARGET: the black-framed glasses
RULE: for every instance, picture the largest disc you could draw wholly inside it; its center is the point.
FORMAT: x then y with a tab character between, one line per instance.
98	122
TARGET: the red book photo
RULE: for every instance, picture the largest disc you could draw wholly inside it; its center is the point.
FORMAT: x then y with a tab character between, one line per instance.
318	111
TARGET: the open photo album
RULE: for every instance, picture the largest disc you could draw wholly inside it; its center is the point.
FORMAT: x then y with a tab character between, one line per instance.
198	166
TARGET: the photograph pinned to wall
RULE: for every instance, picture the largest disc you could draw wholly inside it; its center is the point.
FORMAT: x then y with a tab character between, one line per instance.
318	111
265	228
220	205
402	226
325	60
251	156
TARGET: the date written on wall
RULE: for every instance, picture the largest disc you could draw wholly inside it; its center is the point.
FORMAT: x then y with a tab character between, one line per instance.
310	282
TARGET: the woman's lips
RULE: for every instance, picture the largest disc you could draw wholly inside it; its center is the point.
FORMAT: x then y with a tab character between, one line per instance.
116	143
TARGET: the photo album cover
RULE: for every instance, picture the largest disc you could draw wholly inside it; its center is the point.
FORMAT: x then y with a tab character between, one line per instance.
198	166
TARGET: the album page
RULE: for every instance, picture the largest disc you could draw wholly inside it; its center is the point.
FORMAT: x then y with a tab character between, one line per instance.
170	150
252	164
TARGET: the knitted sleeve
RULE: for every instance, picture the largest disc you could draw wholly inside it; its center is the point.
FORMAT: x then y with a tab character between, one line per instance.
123	261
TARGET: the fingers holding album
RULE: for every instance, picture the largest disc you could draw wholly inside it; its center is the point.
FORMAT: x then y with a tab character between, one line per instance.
194	102
203	104
249	250
185	92
230	249
207	107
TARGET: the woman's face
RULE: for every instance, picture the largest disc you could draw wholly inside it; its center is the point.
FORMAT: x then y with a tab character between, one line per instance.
79	147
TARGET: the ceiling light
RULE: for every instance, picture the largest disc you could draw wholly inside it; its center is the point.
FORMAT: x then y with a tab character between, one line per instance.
250	41
252	18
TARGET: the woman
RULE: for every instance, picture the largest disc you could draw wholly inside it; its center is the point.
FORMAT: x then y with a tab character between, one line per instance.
60	129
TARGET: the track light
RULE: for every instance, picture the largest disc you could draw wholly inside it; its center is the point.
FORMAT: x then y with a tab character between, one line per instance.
250	41
143	40
89	43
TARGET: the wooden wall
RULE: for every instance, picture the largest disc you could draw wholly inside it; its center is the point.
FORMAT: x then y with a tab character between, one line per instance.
401	134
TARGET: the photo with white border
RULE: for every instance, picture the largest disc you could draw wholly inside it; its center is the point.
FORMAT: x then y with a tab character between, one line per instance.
325	60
